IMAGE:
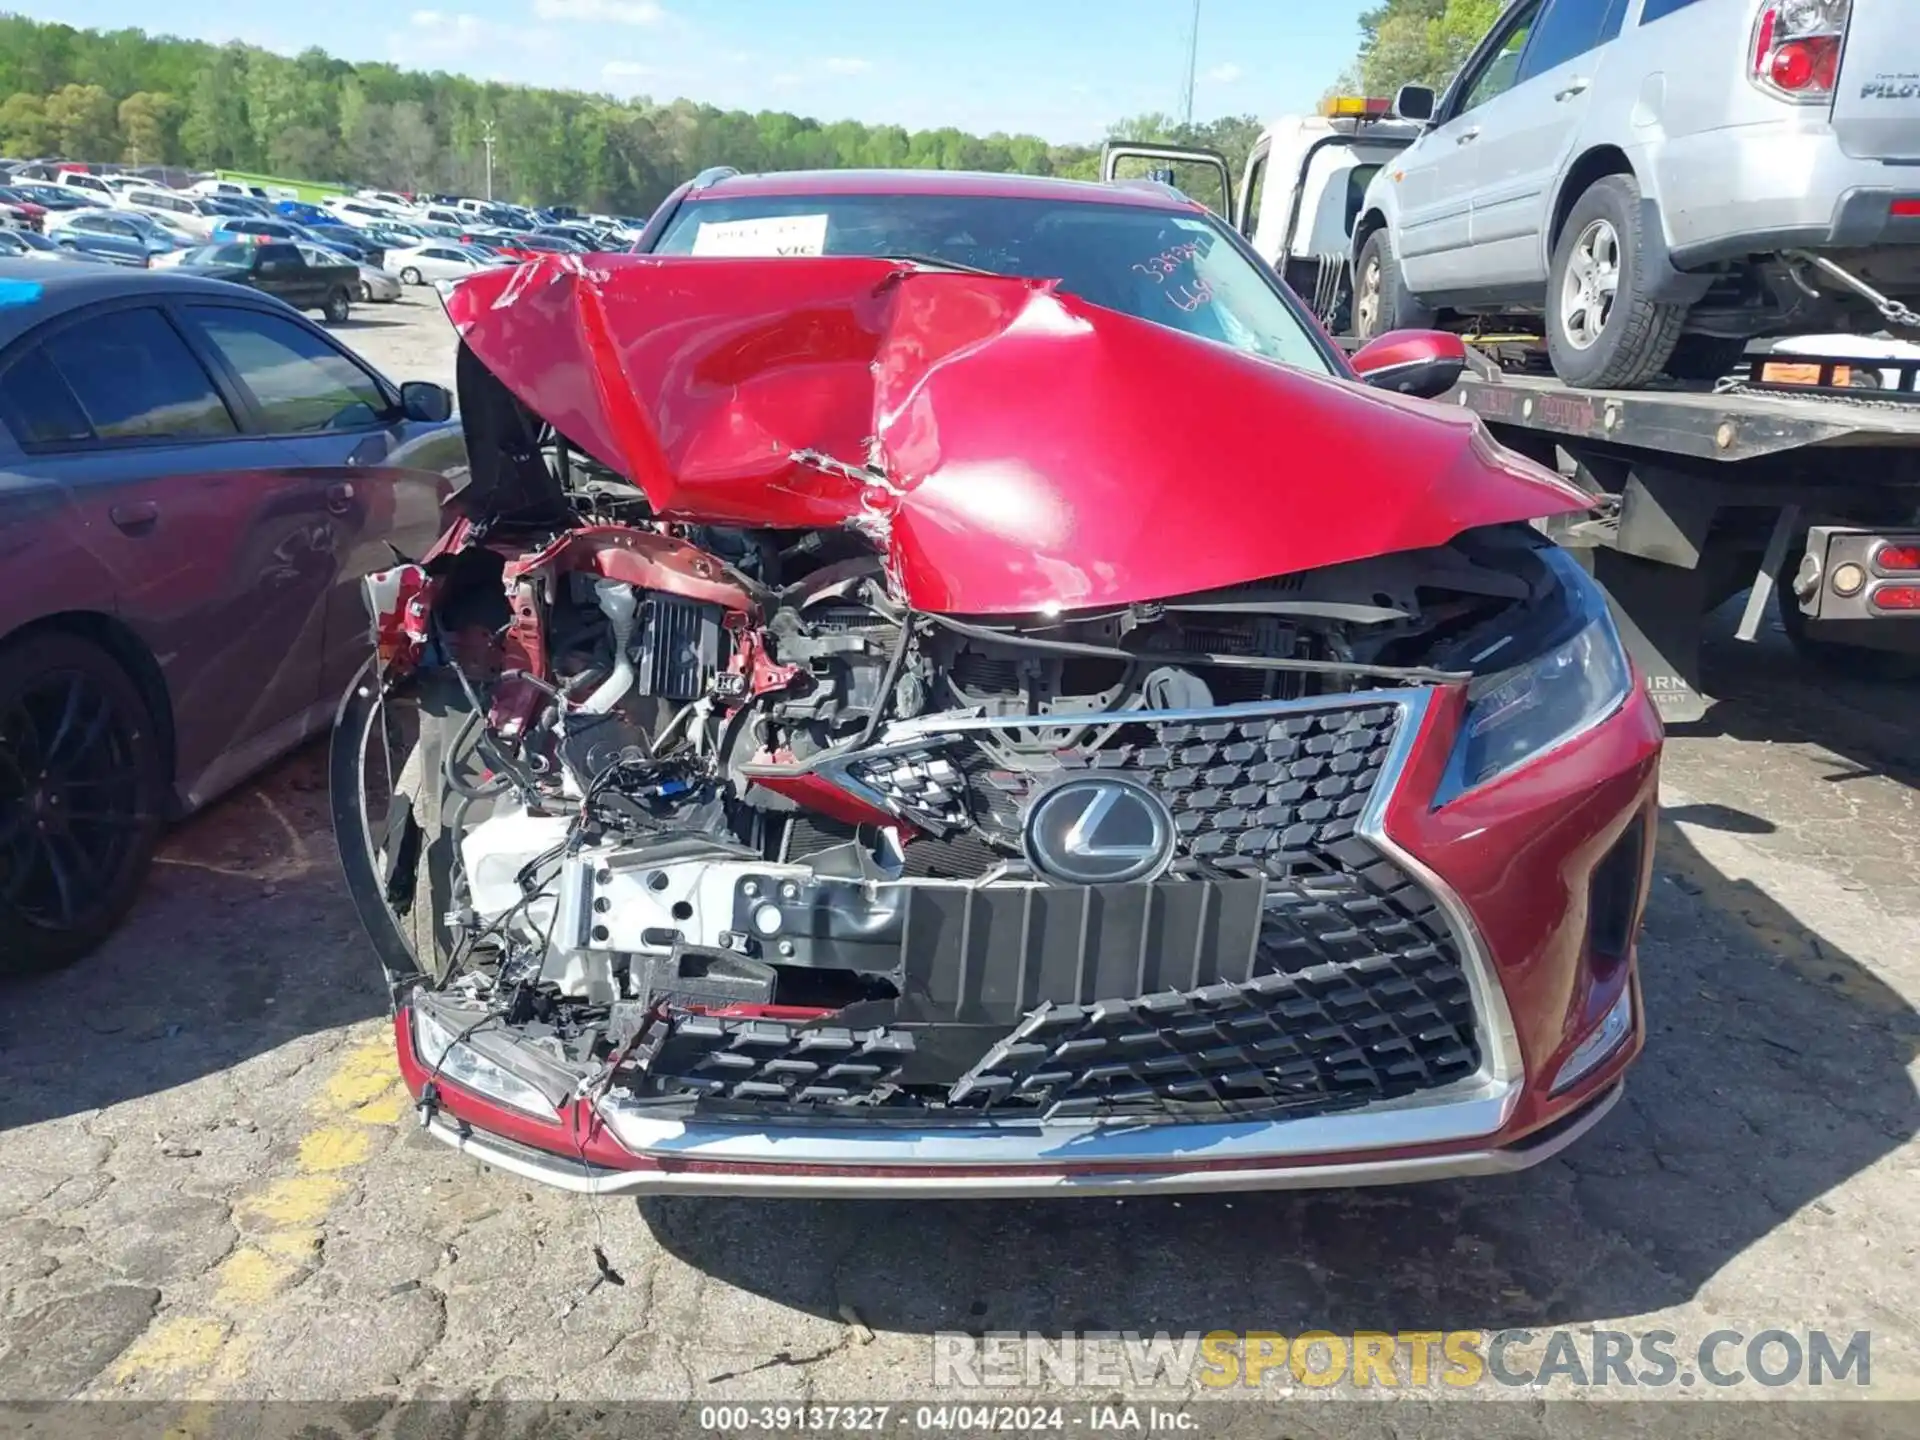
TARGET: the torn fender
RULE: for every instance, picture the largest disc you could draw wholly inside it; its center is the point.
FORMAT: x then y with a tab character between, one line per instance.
1012	447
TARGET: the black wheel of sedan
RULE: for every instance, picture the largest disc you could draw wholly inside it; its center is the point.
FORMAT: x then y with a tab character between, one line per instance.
1602	328
410	276
338	307
82	782
366	293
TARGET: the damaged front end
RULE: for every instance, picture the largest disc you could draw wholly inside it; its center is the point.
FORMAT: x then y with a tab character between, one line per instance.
709	844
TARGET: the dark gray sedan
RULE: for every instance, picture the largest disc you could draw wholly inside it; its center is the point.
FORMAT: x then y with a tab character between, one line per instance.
193	479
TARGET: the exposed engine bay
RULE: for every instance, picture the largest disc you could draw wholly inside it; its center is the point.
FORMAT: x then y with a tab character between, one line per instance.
696	786
740	819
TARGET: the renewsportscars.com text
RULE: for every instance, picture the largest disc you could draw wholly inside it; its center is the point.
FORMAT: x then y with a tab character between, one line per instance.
1224	1360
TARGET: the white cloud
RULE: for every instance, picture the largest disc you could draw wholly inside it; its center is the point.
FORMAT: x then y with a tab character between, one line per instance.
627	70
615	12
1225	74
847	65
785	80
473	43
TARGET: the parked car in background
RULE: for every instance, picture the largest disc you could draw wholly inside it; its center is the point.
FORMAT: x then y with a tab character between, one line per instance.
377	286
302	213
438	260
82	183
166	631
248	227
362	213
20	212
522	246
363	246
55	197
1657	218
279	269
230	188
126	237
197	215
31	245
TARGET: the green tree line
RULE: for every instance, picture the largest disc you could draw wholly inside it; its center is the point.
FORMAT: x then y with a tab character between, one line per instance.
135	98
1416	42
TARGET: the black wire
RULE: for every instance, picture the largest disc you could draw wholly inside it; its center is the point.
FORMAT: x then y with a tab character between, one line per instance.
1180	657
448	760
895	663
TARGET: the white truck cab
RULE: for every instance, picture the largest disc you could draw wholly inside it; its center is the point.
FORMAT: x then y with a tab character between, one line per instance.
1301	190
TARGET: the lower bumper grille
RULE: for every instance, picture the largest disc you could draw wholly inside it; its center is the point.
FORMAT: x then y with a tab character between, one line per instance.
1331	1038
1341	992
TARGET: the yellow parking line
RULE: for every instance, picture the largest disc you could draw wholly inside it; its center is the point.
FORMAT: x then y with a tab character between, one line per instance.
283	1221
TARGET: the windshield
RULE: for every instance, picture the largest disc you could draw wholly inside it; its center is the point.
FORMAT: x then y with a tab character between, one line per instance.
1175	268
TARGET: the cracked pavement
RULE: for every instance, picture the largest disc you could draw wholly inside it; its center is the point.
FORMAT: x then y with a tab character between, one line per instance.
210	1185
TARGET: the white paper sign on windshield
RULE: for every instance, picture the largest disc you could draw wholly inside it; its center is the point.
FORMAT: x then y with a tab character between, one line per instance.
773	235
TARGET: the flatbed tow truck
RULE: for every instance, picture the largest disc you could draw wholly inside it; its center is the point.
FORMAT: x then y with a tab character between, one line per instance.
1785	479
1797	476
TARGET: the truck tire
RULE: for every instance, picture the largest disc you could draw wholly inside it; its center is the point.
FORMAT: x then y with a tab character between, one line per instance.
1381	300
1602	330
337	308
83	783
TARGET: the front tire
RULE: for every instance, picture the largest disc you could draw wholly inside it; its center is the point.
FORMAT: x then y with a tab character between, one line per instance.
82	787
1381	300
1602	329
366	293
337	308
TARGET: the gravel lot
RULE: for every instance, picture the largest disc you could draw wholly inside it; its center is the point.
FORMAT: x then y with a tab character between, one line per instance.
210	1186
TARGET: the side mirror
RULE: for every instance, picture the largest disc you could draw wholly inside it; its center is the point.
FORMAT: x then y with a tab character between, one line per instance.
1414	102
1423	363
424	400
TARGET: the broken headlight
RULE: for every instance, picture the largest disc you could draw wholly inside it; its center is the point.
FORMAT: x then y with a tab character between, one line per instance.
1576	676
440	1048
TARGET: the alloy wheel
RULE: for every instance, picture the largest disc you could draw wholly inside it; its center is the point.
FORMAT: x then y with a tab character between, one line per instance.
1366	306
1591	284
70	803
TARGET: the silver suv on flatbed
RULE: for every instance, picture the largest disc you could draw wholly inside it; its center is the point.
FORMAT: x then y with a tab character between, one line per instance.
1661	181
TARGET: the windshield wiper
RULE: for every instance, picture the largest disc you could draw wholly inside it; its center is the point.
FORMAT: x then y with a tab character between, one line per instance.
936	262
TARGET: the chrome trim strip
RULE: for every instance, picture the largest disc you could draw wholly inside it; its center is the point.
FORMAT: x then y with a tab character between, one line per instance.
1467	1109
773	1181
921	725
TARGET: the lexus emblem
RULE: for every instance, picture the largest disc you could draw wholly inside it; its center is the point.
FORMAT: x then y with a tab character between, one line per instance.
1099	832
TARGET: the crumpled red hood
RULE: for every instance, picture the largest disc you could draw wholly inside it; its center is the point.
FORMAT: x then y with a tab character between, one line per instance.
1013	448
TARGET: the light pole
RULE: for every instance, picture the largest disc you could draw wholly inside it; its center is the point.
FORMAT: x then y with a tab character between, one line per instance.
1193	55
486	139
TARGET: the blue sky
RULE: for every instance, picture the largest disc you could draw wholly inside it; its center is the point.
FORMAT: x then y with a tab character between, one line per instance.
1059	68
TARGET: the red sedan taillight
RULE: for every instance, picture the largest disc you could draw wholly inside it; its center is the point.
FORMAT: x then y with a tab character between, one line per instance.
1796	48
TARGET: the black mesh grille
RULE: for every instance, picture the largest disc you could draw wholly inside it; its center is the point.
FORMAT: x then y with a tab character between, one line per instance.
770	1060
1374	1024
1285	967
1261	794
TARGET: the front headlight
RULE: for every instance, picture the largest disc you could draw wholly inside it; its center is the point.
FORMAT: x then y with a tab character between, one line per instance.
440	1049
1576	676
